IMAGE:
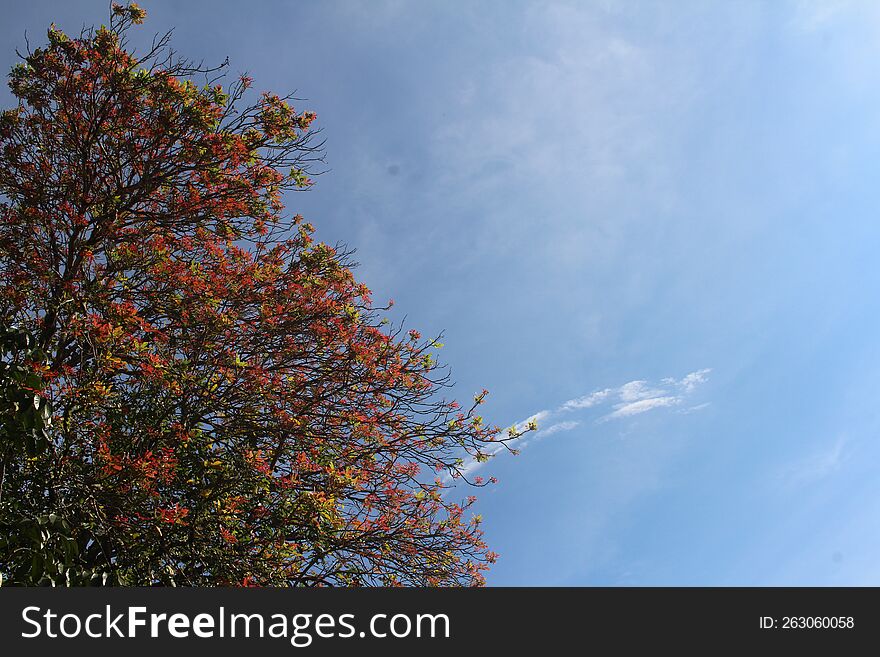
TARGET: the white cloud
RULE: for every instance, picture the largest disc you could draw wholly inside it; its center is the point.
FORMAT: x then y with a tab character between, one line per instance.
694	409
639	396
693	379
587	401
559	426
636	390
632	398
641	406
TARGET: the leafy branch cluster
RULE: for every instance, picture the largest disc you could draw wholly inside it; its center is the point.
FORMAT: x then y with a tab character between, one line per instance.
214	398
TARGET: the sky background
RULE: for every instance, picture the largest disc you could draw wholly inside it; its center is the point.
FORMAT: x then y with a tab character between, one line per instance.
651	224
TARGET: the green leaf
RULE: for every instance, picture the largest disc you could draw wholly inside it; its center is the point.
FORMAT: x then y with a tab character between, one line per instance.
36	567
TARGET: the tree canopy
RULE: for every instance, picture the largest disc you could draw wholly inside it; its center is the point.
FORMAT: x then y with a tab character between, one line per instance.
196	391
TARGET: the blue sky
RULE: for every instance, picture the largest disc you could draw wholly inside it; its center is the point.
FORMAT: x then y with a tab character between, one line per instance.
655	223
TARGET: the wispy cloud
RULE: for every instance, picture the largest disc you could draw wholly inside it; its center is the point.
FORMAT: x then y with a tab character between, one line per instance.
559	426
555	428
641	406
692	380
637	390
694	409
632	398
587	401
821	463
640	396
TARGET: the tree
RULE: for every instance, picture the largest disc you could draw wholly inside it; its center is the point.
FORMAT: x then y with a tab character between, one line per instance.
225	404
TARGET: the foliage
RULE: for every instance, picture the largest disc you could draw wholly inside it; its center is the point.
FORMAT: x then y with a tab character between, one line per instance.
216	400
38	548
